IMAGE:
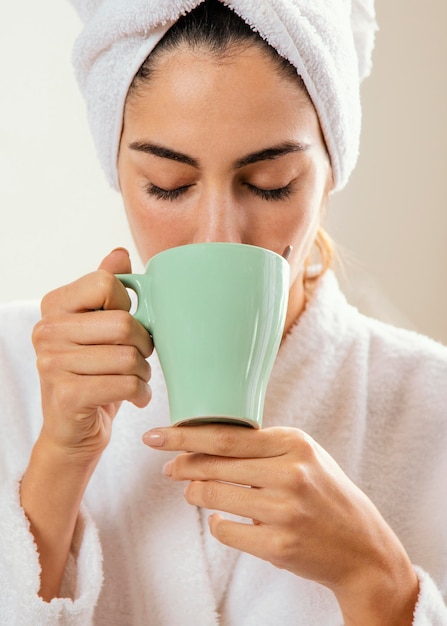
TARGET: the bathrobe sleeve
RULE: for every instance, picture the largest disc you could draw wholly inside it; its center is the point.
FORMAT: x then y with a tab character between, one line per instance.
20	570
431	609
20	422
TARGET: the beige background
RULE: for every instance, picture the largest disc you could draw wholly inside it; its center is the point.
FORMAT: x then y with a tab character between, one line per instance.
58	218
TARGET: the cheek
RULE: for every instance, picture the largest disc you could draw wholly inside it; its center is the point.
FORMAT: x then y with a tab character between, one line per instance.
301	218
142	227
154	228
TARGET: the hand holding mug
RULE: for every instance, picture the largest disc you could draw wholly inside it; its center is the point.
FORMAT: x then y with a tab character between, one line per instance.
303	513
91	355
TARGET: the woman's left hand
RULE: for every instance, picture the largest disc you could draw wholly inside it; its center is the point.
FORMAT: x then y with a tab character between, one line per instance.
308	516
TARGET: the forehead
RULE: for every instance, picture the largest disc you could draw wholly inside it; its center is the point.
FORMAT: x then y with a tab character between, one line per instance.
193	94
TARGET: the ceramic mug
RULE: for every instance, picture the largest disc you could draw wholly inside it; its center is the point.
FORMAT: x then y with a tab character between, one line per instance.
216	312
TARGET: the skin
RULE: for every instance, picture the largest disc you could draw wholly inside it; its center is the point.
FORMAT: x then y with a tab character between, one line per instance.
213	116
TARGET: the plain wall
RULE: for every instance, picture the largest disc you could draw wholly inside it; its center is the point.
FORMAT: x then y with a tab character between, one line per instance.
58	217
392	217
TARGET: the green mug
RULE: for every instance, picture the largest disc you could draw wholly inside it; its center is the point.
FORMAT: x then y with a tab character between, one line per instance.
216	312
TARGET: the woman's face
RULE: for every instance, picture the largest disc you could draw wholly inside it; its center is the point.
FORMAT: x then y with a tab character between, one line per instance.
224	150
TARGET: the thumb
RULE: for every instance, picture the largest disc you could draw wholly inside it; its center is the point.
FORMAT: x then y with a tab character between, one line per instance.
117	262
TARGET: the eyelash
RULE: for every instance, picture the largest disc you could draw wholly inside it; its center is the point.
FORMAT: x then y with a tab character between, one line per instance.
271	194
266	194
166	194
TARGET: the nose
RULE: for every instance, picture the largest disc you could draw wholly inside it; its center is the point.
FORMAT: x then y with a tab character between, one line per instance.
219	218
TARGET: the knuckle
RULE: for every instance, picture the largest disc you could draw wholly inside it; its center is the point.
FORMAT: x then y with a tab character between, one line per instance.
301	443
133	386
46	363
224	441
208	492
36	336
131	358
296	476
307	448
281	548
137	392
201	493
145	397
178	438
112	291
66	397
48	301
43	331
105	281
208	465
123	325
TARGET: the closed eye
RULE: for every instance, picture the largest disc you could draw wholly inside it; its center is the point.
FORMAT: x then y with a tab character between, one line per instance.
271	194
266	194
166	194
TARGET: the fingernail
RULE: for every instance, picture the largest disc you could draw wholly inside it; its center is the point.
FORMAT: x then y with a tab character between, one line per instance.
120	250
167	468
154	438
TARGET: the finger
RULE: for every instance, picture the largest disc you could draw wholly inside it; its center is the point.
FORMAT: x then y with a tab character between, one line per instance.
235	499
228	441
260	540
245	537
94	328
94	391
117	262
95	361
196	466
98	290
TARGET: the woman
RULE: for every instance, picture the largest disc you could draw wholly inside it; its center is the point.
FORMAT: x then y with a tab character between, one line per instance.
221	140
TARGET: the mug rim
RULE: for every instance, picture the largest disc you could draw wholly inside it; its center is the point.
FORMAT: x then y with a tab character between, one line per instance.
213	244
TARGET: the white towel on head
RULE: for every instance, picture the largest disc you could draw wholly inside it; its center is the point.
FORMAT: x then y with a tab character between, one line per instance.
330	43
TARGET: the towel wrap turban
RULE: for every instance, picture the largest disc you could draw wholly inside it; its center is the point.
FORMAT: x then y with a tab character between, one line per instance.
330	43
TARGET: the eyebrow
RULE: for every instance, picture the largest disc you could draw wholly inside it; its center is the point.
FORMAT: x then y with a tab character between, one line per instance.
267	154
163	153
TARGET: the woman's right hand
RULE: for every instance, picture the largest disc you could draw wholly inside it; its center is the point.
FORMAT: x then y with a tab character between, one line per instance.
91	355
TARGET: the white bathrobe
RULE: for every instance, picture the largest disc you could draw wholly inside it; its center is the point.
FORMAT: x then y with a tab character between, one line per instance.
374	396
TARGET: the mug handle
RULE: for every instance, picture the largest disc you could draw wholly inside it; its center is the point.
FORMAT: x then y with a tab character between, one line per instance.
135	282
